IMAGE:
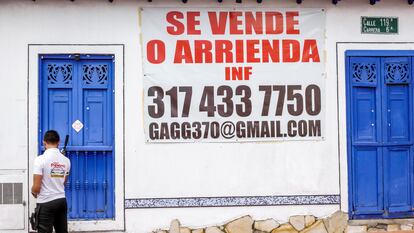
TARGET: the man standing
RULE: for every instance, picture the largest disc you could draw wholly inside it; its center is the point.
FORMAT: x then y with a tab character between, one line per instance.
51	170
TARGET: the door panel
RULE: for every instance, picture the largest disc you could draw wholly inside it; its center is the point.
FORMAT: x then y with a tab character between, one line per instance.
95	117
59	110
56	96
398	113
380	95
397	179
367	181
80	88
90	188
397	133
396	99
366	135
365	113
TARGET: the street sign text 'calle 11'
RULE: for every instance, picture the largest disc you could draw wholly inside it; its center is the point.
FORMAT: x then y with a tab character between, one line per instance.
379	25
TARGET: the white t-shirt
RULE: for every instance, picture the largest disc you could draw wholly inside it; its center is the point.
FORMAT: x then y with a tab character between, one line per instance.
54	167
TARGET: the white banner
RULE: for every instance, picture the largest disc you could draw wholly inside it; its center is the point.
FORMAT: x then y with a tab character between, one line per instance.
227	75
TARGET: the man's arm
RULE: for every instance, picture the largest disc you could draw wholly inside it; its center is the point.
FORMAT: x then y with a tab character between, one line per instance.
67	172
37	184
37	177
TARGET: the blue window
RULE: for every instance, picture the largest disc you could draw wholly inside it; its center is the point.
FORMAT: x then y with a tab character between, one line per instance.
380	133
77	99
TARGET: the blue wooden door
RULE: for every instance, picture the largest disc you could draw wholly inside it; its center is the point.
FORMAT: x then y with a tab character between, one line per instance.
380	126
76	96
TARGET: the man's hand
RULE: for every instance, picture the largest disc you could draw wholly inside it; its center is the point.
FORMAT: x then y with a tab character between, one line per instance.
37	184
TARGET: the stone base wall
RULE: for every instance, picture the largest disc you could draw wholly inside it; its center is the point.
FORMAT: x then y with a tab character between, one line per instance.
336	223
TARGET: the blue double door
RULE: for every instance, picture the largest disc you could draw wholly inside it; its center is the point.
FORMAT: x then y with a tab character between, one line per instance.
77	99
380	136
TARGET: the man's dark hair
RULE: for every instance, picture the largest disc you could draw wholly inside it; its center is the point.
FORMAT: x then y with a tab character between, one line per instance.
51	137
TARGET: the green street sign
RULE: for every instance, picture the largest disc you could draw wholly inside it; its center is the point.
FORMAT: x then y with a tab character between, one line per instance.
379	25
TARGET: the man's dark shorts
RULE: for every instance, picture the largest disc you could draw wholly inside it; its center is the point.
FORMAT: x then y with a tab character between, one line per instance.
53	214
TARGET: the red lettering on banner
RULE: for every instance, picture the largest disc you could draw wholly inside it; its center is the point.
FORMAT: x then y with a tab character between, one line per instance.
223	48
178	27
310	51
270	50
279	41
291	50
247	72
156	51
235	22
227	73
236	50
291	22
218	25
249	23
240	51
274	23
237	73
254	23
192	22
183	52
252	50
202	50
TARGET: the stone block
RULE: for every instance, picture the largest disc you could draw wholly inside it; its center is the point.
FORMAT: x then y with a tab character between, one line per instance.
406	227
240	225
298	222
309	220
213	230
337	222
381	226
200	230
285	228
356	229
317	227
160	231
393	227
175	226
266	225
185	230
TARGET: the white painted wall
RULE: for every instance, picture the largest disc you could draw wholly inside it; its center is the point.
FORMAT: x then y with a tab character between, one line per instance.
185	170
